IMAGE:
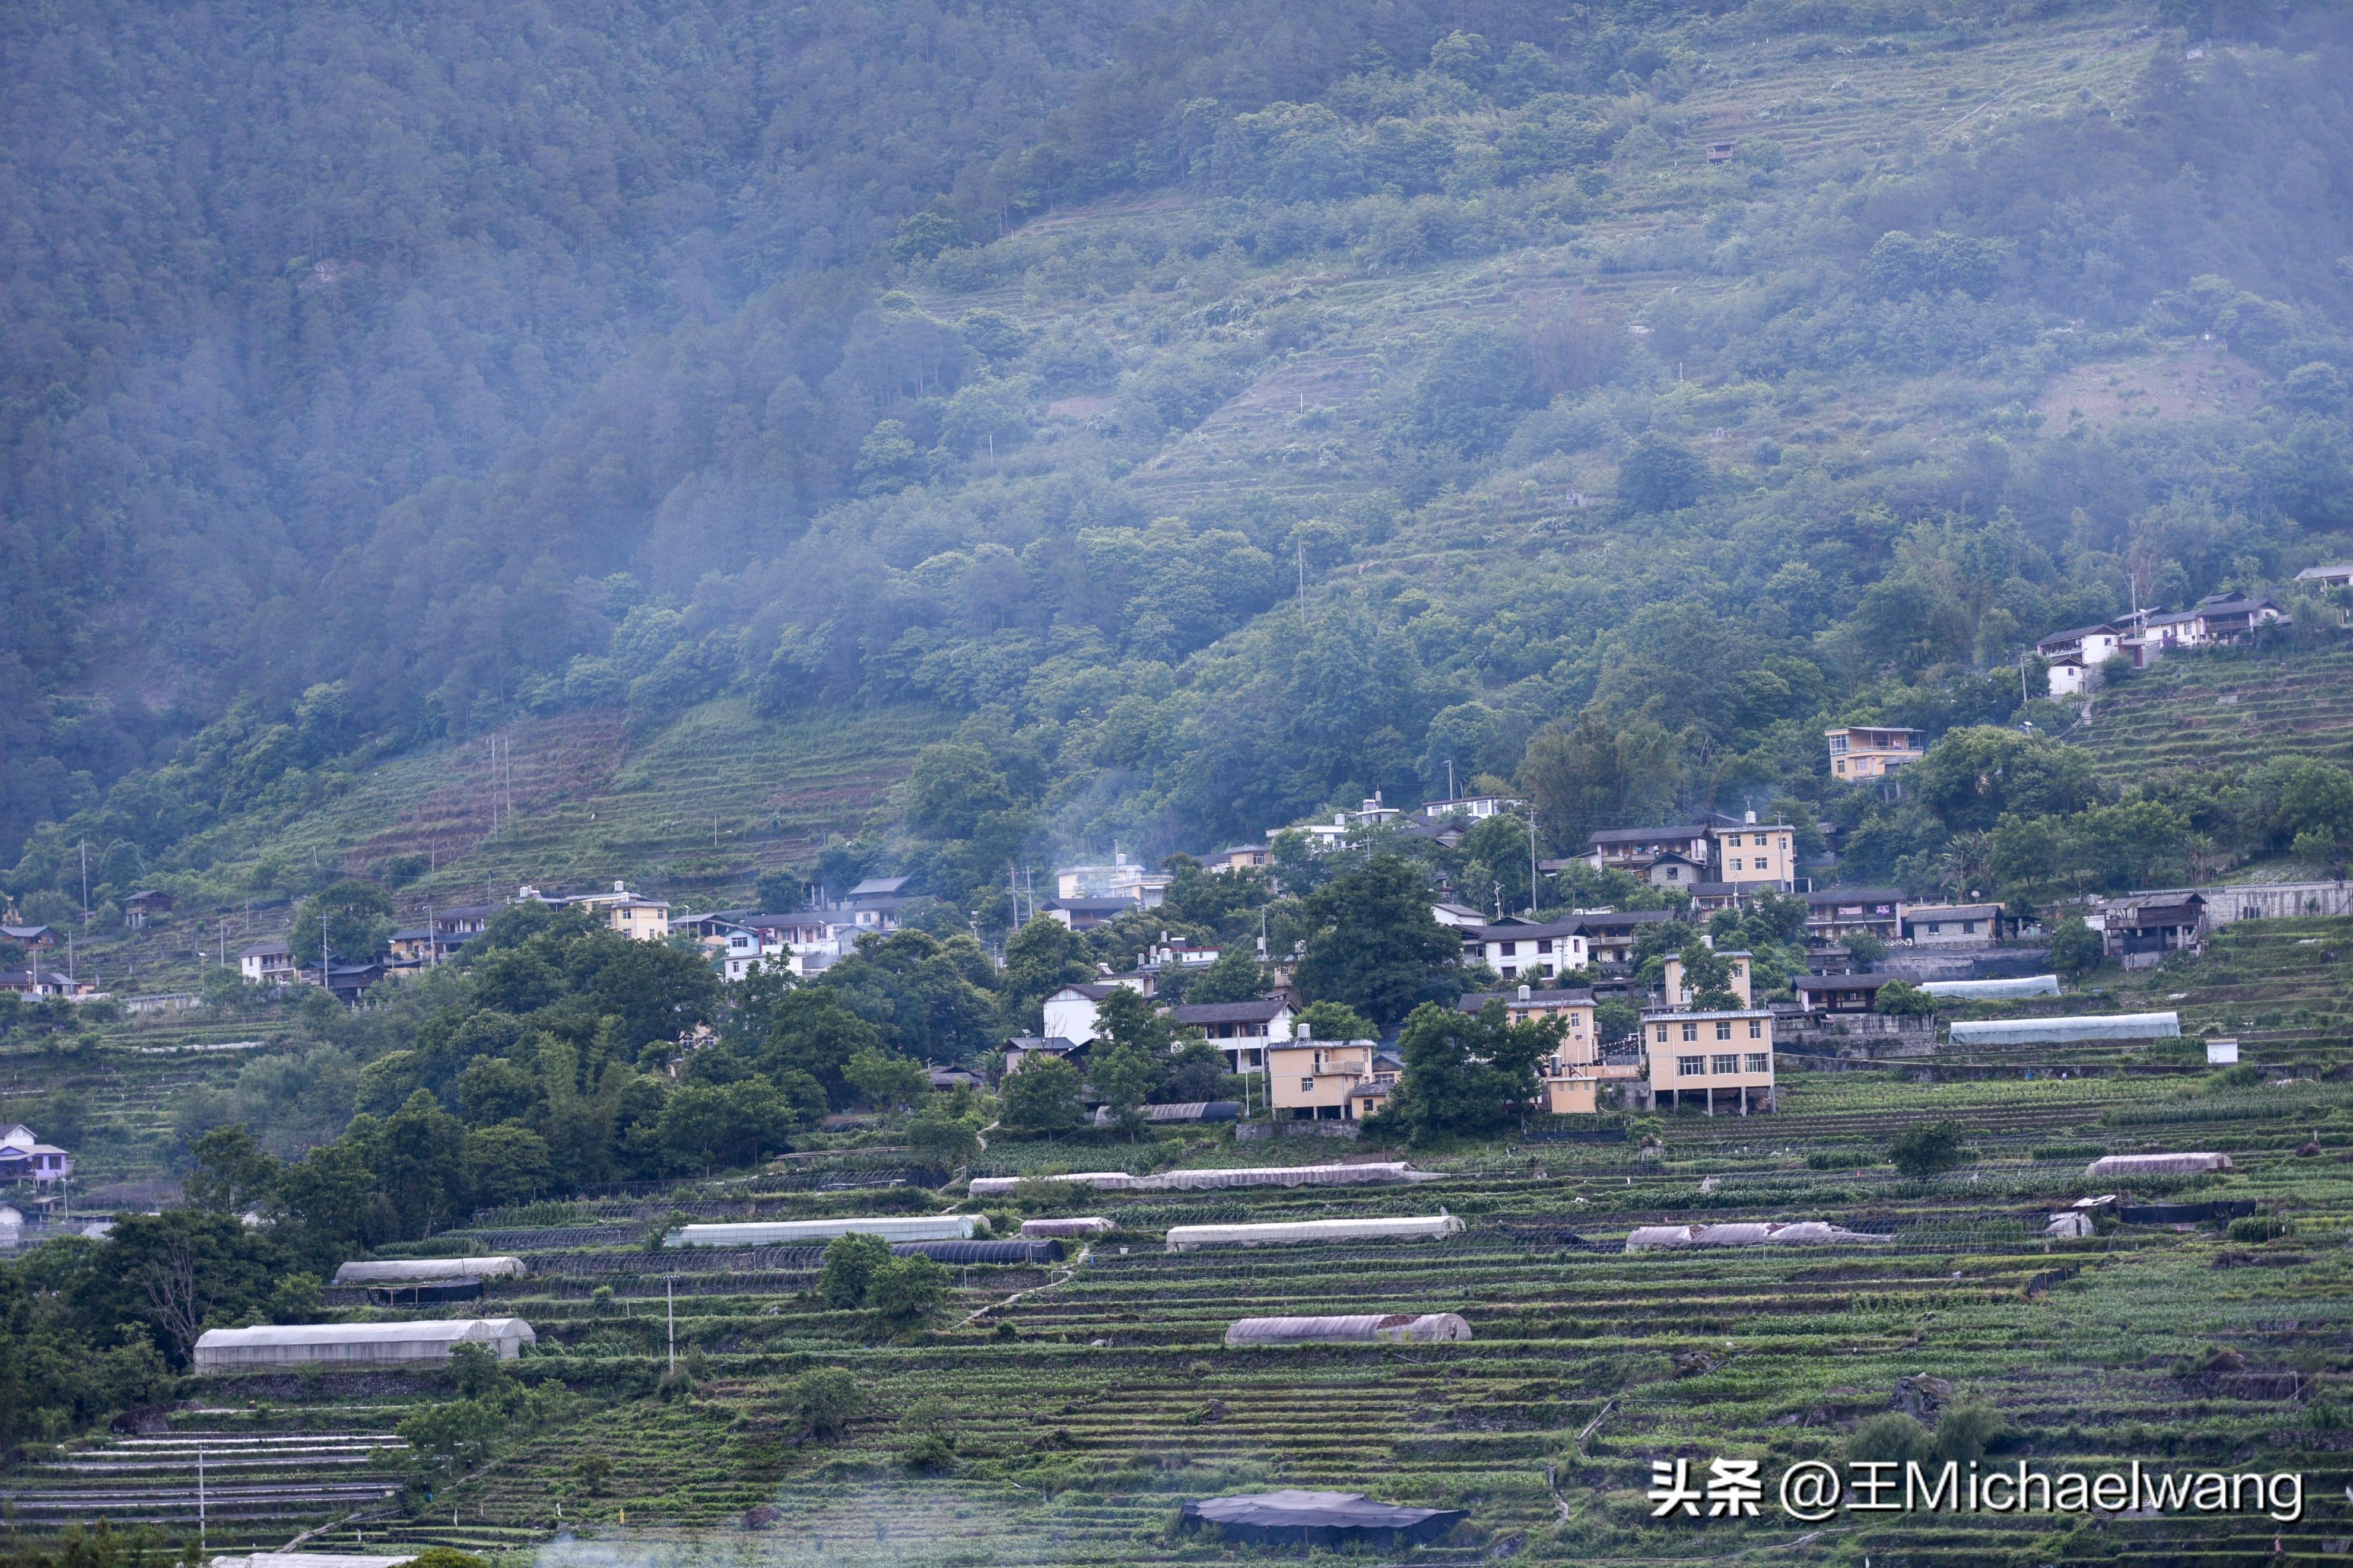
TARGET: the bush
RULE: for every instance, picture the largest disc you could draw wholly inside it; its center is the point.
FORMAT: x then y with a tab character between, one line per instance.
2074	947
449	1557
907	1291
1924	1151
851	1263
825	1400
2260	1227
1902	999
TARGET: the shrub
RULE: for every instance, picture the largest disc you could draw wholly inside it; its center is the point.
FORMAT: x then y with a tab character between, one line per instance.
2074	947
2260	1227
825	1399
449	1557
1902	999
1890	1439
907	1291
850	1265
1924	1151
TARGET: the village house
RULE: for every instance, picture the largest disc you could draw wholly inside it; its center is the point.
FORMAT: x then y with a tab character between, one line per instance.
2076	655
1472	806
1751	855
1728	1052
1242	1031
1679	994
25	1158
2337	576
34	937
1069	1010
1871	751
1515	948
1833	914
1240	858
643	919
1454	914
414	947
1086	914
1635	849
36	981
1120	879
143	906
1328	1081
2142	930
1952	925
1838	993
1023	1049
1610	933
269	962
1580	1075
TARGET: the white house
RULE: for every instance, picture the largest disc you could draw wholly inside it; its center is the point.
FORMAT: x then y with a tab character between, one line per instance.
1474	805
267	964
1241	1030
2075	655
1527	950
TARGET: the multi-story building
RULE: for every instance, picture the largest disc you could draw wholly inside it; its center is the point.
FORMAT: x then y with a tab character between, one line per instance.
1871	751
1833	914
1520	949
1580	1075
1243	1032
1328	1081
1713	1054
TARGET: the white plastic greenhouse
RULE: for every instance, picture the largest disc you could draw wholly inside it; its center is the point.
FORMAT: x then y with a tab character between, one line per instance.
357	1344
2065	1031
1794	1233
1362	1328
1213	1176
1092	1225
1994	990
1187	1237
426	1268
800	1232
2155	1164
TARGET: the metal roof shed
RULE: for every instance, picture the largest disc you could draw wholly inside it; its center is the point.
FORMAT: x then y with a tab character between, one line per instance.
357	1344
1795	1233
2155	1164
2066	1031
1088	1224
1430	1228
1360	1328
790	1232
1994	990
381	1270
1321	1518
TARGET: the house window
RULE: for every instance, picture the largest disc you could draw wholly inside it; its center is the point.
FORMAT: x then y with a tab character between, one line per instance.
1509	948
1755	1028
1306	1085
1736	862
1691	1031
1544	944
1760	1062
1763	864
1727	1064
1969	928
1675	873
1662	1034
1724	1028
1691	1067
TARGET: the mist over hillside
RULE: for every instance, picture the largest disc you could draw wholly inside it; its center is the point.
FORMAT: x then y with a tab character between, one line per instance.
1213	414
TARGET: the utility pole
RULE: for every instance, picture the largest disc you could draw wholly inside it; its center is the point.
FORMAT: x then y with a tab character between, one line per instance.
200	1498
669	1306
1449	779
1532	864
85	882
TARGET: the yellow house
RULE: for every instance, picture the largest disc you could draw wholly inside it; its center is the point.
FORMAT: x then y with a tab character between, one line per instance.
1576	1077
1711	1053
1323	1080
1752	855
1679	995
1870	751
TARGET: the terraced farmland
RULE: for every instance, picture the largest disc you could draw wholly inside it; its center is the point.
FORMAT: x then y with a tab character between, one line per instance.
2197	711
1087	1399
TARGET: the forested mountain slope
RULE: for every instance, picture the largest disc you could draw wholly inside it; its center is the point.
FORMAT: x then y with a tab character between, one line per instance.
1217	414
